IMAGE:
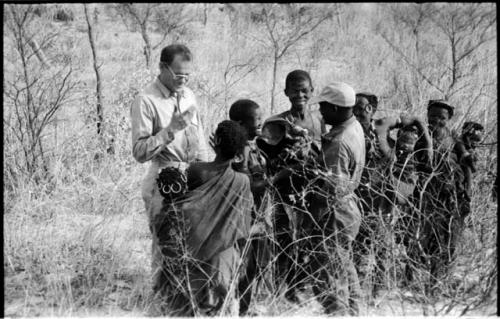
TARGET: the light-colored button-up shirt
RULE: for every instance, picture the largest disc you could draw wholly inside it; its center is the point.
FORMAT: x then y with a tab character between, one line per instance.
344	154
151	112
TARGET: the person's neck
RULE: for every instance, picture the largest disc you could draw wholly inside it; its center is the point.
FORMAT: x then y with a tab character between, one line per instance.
297	112
467	143
366	125
165	84
341	119
220	161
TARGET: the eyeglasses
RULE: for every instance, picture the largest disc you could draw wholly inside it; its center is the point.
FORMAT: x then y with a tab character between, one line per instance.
357	109
175	75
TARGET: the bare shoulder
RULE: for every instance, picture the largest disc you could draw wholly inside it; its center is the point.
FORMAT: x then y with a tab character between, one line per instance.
196	174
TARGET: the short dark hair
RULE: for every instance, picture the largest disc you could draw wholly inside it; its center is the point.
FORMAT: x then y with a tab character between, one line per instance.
297	76
372	98
240	110
441	104
169	52
233	138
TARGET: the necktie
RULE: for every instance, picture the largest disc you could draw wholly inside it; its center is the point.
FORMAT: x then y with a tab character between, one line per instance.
178	104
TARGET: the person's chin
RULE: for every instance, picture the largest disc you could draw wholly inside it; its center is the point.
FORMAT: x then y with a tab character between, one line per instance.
299	105
179	88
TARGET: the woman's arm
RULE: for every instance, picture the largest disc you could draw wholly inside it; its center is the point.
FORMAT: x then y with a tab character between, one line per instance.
382	128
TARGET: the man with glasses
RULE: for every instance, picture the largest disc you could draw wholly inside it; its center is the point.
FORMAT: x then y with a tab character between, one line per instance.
166	129
371	190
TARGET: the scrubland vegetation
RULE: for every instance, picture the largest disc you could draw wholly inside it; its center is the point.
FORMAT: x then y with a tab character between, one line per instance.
76	240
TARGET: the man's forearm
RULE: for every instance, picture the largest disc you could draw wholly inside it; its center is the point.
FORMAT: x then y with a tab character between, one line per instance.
144	149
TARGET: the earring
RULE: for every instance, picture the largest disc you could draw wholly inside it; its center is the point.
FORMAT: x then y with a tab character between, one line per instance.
217	141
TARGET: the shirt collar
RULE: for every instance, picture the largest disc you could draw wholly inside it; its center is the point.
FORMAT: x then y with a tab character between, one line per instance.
165	91
339	128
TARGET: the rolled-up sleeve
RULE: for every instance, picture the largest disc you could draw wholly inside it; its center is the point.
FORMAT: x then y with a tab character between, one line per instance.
145	145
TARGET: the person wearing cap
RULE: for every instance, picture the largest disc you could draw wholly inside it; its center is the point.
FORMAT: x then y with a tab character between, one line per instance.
439	195
166	129
335	209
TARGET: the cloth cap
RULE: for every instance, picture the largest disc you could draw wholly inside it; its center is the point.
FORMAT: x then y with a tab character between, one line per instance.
441	103
337	93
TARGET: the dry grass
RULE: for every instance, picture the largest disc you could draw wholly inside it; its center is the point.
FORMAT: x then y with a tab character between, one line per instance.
84	249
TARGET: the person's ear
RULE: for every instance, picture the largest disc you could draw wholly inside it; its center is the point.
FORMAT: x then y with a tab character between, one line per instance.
238	158
216	140
286	91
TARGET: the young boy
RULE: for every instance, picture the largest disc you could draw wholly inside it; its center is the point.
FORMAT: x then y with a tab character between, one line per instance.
253	163
248	114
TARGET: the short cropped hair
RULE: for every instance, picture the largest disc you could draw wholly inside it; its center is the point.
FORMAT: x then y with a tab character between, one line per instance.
169	52
240	110
232	138
297	76
442	104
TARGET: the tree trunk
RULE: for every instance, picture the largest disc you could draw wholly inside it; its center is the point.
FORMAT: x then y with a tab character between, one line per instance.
205	14
273	87
91	33
147	44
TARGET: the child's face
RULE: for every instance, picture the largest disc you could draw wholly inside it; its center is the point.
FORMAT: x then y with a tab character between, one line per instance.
274	133
474	137
405	144
253	123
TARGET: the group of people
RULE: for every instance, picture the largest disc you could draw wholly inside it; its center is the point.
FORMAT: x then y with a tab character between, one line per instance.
303	196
